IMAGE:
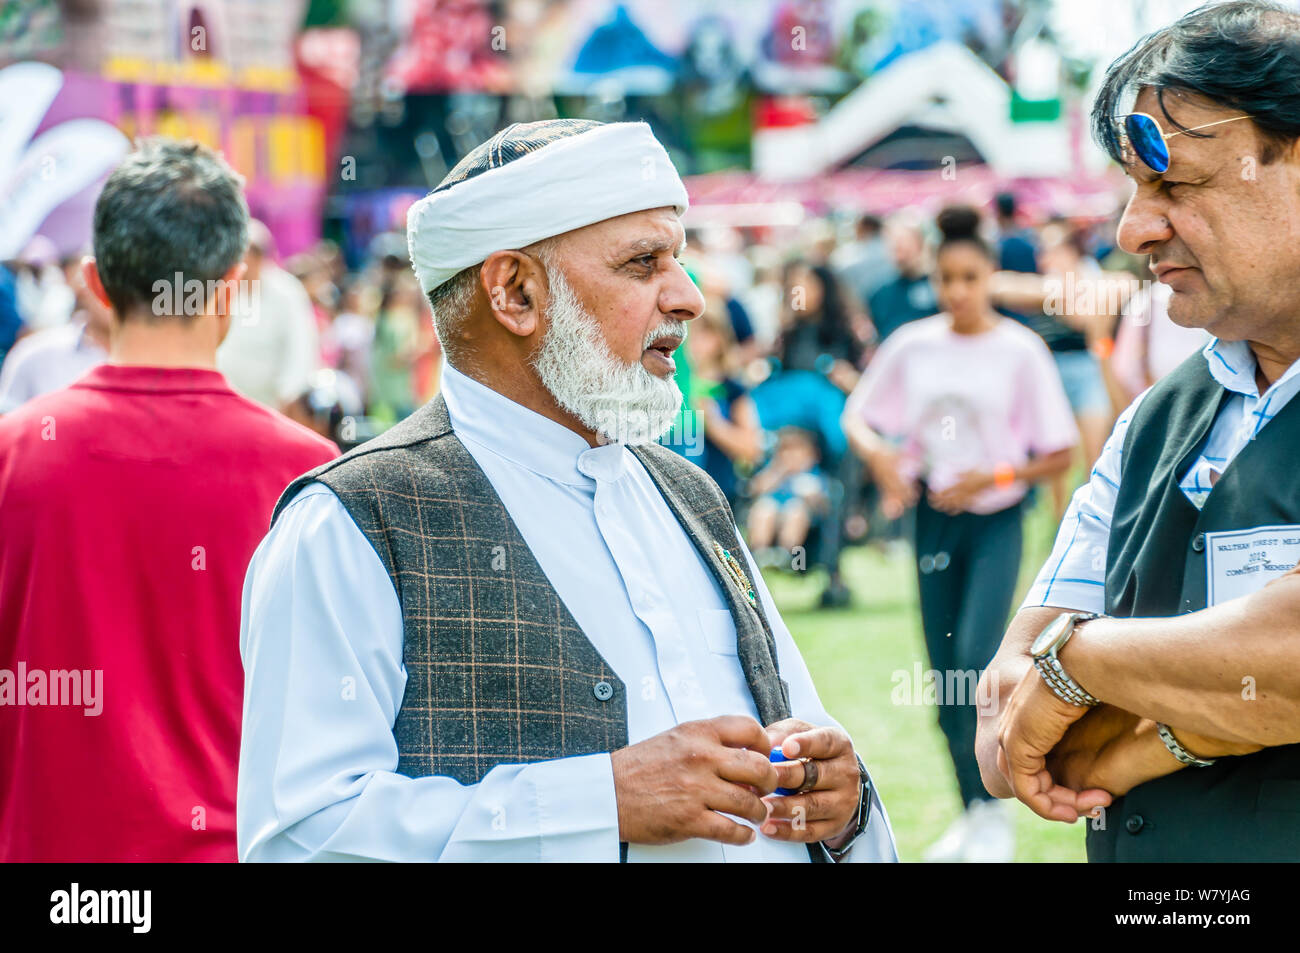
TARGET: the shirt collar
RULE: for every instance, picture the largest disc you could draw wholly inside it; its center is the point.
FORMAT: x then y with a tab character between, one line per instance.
1233	365
142	378
524	437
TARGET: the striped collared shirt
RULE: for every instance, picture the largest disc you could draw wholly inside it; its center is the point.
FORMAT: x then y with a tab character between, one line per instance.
1074	575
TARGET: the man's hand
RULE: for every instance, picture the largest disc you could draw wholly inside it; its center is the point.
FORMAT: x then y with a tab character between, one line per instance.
828	811
1111	749
1032	724
1116	750
671	787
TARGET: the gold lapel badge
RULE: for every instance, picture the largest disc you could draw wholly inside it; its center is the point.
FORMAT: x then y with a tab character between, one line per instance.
732	565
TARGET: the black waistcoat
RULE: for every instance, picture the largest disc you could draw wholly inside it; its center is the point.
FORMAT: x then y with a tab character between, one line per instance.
1244	808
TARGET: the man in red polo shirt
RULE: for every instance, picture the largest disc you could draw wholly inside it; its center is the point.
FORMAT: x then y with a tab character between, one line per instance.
130	505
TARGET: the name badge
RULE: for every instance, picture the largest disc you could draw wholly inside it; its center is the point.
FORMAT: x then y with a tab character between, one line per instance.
1242	561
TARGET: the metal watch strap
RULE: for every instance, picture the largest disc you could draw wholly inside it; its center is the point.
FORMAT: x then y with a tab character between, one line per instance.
1178	751
864	812
1061	684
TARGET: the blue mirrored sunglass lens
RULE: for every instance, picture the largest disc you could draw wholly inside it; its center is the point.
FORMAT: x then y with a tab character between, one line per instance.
1145	138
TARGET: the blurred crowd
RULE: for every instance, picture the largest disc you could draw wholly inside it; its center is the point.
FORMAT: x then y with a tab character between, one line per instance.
790	327
792	321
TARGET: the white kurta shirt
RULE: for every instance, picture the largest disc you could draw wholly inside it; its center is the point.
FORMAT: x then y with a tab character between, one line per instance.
321	639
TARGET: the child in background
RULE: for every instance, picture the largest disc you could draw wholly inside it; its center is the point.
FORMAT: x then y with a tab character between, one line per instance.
788	492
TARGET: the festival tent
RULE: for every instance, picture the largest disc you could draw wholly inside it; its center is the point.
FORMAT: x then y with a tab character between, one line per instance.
944	88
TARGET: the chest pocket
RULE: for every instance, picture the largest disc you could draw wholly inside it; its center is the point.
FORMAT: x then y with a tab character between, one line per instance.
719	631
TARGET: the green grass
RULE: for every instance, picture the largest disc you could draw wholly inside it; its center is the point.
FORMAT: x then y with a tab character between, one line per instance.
852	654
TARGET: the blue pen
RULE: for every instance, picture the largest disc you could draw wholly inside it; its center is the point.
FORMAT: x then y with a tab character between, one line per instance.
776	757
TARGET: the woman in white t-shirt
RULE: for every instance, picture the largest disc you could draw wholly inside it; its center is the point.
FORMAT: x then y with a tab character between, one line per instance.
956	415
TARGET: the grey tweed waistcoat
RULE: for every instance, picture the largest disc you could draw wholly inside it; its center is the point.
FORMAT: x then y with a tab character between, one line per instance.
498	670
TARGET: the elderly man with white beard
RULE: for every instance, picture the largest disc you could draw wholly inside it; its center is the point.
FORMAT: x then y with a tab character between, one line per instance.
514	627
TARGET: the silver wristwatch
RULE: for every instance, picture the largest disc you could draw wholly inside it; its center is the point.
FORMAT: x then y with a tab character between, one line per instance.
1044	652
1178	751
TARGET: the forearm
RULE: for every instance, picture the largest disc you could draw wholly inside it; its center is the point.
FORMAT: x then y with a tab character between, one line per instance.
864	441
1018	290
739	443
1115	388
871	447
845	375
1094	755
1067	300
1229	672
1044	466
551	810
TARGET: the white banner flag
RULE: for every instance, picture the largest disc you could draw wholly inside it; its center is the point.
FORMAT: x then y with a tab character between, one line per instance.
37	175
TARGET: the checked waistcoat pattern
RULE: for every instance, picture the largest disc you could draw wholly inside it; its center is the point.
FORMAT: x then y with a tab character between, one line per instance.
498	670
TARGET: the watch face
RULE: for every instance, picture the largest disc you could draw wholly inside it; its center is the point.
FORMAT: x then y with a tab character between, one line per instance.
1049	636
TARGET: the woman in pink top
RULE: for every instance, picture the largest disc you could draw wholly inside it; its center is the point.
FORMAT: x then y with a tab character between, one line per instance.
957	415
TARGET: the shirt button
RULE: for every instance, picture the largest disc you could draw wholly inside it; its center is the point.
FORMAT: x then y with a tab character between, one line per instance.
1198	543
603	691
1134	823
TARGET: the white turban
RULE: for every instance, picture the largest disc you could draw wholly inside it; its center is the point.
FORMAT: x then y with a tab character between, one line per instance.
535	180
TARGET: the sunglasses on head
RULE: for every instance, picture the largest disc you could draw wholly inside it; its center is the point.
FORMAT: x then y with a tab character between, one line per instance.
1145	139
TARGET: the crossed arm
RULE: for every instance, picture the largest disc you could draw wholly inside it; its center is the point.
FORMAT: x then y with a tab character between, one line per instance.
1225	679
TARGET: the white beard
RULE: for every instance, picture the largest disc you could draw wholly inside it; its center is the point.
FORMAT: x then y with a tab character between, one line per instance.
622	403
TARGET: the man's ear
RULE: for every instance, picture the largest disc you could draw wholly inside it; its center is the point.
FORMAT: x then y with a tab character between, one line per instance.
516	287
90	274
227	298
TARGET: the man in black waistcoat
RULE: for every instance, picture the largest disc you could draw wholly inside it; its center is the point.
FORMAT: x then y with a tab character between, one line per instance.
1152	678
